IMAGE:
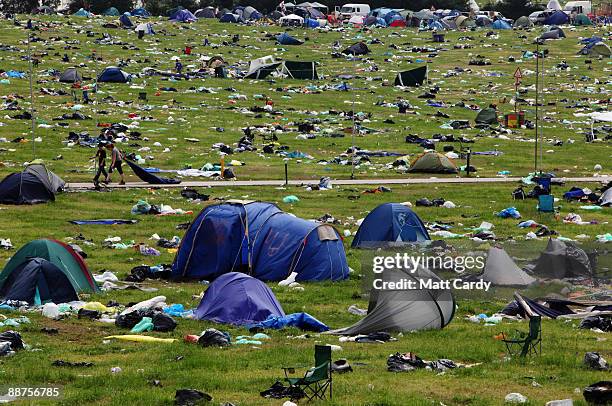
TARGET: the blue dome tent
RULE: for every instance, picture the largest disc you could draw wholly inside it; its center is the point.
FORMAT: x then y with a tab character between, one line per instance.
259	238
236	298
82	13
183	16
140	12
501	25
557	18
390	222
229	18
114	74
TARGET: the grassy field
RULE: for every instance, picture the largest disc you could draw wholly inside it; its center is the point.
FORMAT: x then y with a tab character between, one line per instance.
238	373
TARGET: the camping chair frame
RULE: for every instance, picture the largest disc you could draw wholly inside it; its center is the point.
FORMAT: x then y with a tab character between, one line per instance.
526	344
317	380
546	204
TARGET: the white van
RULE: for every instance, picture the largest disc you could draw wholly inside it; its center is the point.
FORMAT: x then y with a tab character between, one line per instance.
352	9
581	7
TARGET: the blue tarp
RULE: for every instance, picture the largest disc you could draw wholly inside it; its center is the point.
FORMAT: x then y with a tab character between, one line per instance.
303	321
286	39
501	25
236	298
148	177
103	222
557	18
310	23
183	16
390	222
260	237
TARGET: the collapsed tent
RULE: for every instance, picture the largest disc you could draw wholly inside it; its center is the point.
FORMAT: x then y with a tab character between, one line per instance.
125	20
300	70
486	116
390	222
70	75
45	270
433	162
183	16
250	13
286	39
35	184
501	270
606	198
557	18
260	239
358	48
562	259
145	28
149	177
413	77
405	310
596	49
236	298
262	67
112	74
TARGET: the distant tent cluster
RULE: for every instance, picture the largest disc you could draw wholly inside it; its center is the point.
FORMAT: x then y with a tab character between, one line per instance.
262	240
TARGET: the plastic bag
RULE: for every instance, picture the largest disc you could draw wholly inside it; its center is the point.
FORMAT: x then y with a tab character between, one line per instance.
214	338
146	324
163	322
128	320
188	397
12	337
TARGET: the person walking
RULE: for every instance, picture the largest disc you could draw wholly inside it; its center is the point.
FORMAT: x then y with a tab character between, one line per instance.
101	163
116	162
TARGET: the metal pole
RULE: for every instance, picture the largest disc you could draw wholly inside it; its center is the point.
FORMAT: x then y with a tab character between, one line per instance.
537	117
543	104
467	168
353	143
31	98
286	175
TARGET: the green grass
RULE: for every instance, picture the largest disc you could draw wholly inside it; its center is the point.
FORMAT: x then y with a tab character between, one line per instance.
237	374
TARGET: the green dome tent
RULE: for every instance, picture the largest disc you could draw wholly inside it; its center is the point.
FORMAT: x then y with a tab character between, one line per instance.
433	162
111	11
58	254
582	19
523	22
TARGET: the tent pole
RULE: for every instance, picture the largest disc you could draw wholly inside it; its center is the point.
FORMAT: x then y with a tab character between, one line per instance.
537	84
31	97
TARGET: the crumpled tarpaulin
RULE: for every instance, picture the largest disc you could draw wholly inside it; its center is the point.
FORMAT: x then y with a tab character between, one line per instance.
149	177
303	321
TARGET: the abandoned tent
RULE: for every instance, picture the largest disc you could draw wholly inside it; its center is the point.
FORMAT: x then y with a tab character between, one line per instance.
412	78
390	223
45	270
261	240
433	162
560	260
113	74
70	75
35	184
405	310
501	270
239	299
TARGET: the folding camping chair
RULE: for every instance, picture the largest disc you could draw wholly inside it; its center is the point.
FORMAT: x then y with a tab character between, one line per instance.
318	379
530	344
546	204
